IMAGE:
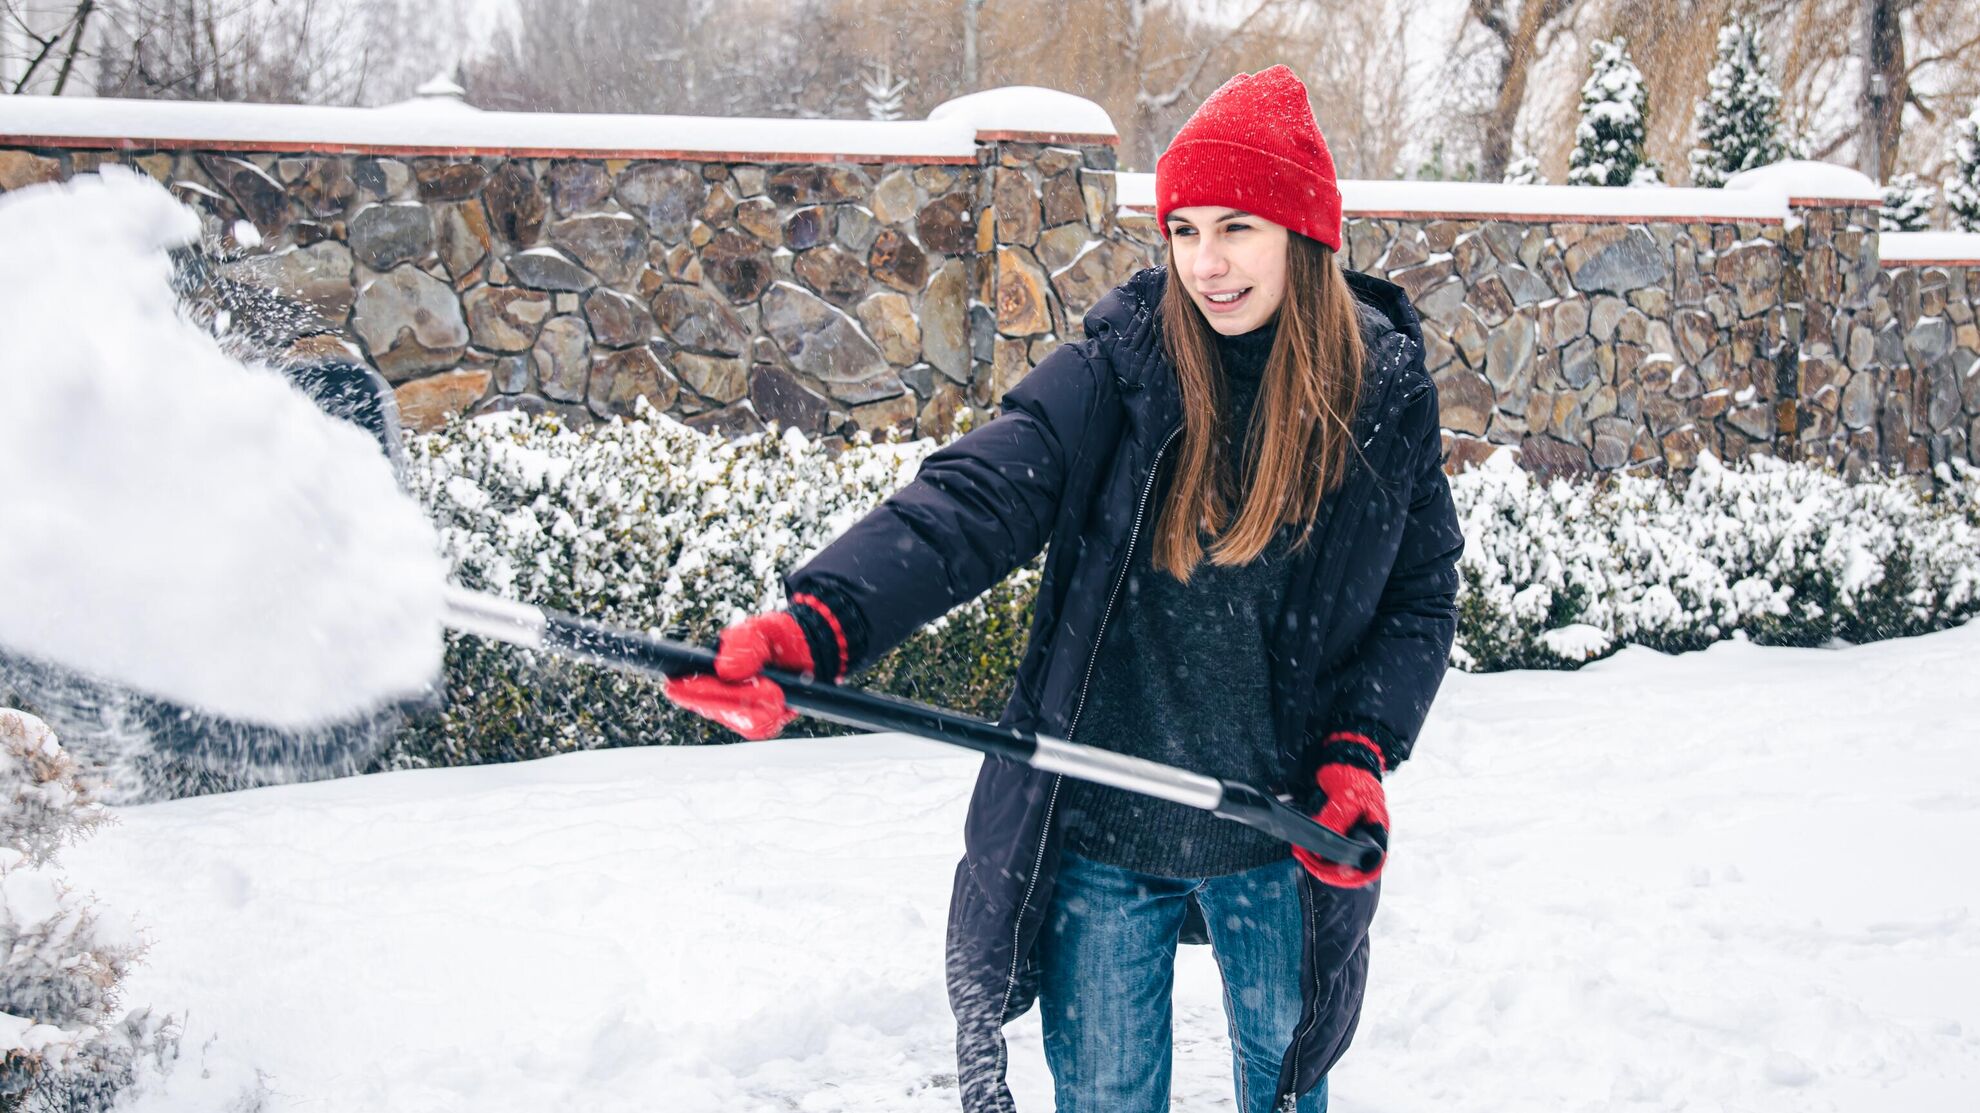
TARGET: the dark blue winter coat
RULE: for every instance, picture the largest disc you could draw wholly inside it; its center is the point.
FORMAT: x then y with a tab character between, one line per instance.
1072	461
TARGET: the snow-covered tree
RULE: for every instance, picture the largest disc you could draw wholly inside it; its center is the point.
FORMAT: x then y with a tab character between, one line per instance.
1524	170
1907	204
1608	144
63	1045
1963	186
1739	120
885	94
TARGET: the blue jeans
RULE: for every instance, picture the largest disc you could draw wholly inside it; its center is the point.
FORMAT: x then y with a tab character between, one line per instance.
1108	956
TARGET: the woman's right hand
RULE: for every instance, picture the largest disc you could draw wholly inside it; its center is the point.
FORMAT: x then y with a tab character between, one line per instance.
738	695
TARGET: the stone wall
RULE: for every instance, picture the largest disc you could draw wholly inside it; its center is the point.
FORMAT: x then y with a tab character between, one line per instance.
1595	344
1911	394
826	296
834	293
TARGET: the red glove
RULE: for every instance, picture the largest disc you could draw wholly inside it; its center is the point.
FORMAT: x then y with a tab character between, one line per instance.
1350	777
737	695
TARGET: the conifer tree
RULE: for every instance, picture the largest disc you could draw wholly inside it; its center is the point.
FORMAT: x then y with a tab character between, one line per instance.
1963	186
1524	170
1907	204
885	94
1739	120
1608	147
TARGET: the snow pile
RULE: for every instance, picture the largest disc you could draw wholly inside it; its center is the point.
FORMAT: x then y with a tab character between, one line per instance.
1558	572
1726	880
175	520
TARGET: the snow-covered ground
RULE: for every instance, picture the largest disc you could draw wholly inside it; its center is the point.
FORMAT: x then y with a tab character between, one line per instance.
1739	879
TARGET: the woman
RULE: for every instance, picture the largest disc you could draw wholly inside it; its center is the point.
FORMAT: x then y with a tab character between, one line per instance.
1252	574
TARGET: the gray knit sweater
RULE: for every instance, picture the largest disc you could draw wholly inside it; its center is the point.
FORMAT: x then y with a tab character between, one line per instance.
1182	678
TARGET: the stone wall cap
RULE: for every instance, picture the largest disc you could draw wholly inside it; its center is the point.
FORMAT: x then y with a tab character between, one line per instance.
1915	249
1493	201
432	125
1804	181
1027	110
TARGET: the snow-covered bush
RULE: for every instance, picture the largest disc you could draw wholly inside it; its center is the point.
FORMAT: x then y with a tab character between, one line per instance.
651	525
1524	170
1555	573
63	1045
1907	205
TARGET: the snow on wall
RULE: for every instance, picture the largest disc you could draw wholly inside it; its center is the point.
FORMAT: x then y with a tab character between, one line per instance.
1491	199
439	126
440	122
1803	179
1913	248
1026	108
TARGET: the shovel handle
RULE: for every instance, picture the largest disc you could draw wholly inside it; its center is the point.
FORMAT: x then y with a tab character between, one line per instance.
570	636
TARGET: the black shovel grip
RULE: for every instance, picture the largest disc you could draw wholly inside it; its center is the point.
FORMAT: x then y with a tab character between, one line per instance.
1270	814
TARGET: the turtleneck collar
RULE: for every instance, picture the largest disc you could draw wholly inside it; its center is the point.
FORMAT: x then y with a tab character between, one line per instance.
1244	355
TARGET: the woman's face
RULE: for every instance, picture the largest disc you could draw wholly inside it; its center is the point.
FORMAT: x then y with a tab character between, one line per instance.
1219	252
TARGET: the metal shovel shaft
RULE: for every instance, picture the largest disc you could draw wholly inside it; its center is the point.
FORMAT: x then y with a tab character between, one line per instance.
569	636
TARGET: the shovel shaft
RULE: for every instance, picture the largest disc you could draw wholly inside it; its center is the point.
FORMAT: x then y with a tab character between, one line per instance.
582	639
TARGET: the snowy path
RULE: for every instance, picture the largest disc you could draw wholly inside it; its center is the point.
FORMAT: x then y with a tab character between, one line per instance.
1732	880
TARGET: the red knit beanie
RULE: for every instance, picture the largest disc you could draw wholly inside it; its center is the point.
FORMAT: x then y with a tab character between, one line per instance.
1253	145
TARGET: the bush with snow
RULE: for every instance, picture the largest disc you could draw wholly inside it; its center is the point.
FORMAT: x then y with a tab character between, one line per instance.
650	525
63	1044
1907	205
1524	170
1555	573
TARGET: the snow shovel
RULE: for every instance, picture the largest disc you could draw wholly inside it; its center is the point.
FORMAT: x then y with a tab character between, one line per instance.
567	635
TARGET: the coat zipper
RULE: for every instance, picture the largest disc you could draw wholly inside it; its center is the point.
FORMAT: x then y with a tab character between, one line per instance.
1052	802
1289	1100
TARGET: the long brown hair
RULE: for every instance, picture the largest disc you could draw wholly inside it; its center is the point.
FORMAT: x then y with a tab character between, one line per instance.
1300	433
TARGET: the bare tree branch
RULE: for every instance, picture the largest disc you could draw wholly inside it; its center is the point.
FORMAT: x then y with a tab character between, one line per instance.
48	43
1955	54
81	22
1189	80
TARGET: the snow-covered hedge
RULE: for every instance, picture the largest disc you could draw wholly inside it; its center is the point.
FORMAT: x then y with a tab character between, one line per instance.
1559	573
653	525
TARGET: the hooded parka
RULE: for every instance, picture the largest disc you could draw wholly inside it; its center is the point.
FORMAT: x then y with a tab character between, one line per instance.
1073	460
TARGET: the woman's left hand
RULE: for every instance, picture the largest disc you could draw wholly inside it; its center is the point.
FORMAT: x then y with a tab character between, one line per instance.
1352	785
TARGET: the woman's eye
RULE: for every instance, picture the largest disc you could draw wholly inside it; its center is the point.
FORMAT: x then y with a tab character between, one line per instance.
1236	227
1181	230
